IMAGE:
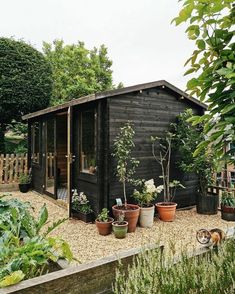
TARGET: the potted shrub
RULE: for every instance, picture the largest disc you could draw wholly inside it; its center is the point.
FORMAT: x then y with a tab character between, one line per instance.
81	208
167	208
104	222
25	182
144	198
228	206
201	163
120	227
126	166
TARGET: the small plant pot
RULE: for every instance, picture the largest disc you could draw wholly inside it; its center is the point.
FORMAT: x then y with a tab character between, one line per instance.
146	216
24	188
85	217
228	213
120	229
166	211
104	228
131	212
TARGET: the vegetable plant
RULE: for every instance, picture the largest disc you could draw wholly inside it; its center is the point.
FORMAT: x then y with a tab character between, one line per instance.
228	199
103	216
26	249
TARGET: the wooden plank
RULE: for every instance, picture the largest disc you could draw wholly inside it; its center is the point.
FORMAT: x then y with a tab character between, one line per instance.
6	169
16	167
2	168
11	167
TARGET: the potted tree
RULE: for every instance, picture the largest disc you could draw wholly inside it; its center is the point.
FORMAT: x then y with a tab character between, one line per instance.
104	222
120	226
167	208
81	208
202	163
25	182
126	166
144	199
228	206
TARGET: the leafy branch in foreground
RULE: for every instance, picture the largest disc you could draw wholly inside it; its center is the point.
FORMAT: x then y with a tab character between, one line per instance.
211	27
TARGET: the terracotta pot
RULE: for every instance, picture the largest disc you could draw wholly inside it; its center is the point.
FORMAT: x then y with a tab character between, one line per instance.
166	211
104	228
120	229
146	216
228	213
131	213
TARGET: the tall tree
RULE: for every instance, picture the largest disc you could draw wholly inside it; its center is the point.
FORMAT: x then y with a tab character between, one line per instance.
211	27
77	71
25	82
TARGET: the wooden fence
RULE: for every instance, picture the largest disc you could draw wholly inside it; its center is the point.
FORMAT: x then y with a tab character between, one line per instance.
11	166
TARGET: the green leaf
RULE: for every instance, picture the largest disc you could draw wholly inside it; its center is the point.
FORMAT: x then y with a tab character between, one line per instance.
201	44
43	216
12	278
228	108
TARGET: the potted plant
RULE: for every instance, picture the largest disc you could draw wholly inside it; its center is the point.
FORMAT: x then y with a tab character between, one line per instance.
104	222
120	227
228	206
25	182
202	163
167	208
144	198
126	166
81	208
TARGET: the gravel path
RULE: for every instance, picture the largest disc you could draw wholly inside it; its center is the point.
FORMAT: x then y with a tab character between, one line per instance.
88	245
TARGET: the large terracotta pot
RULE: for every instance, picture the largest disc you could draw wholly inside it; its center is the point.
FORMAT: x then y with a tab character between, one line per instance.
146	216
166	211
104	228
131	213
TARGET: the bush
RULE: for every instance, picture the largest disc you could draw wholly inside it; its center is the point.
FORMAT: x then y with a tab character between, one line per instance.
154	272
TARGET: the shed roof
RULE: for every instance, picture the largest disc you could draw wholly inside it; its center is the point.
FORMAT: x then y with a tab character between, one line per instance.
112	93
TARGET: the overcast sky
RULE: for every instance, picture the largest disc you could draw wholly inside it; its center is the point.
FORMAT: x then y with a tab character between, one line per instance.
141	42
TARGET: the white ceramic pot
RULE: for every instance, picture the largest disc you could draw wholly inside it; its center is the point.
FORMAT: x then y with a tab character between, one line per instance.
146	216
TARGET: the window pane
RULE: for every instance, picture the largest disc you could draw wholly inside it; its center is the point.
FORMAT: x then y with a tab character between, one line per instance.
35	142
88	148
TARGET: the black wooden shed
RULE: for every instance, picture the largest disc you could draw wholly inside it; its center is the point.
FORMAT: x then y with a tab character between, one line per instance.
70	145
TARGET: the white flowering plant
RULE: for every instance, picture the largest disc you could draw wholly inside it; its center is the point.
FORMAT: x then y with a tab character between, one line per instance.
80	202
148	193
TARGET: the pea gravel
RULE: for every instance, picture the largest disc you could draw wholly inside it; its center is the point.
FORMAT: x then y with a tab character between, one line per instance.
87	245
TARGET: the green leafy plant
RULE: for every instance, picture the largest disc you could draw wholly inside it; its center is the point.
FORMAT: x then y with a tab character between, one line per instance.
211	27
25	178
147	194
126	164
228	199
103	216
187	138
164	148
25	253
156	271
81	203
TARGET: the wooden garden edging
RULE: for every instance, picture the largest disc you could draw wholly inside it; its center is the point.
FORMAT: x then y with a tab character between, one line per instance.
91	278
11	166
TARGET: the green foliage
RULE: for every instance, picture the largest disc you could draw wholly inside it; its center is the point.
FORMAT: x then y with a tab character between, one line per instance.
211	26
126	164
77	71
158	273
24	253
187	138
80	202
228	199
164	148
25	82
103	216
25	178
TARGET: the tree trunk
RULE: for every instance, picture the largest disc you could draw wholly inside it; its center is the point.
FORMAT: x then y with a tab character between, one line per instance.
2	138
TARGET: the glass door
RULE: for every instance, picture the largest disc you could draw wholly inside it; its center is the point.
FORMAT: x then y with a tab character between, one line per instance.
50	157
